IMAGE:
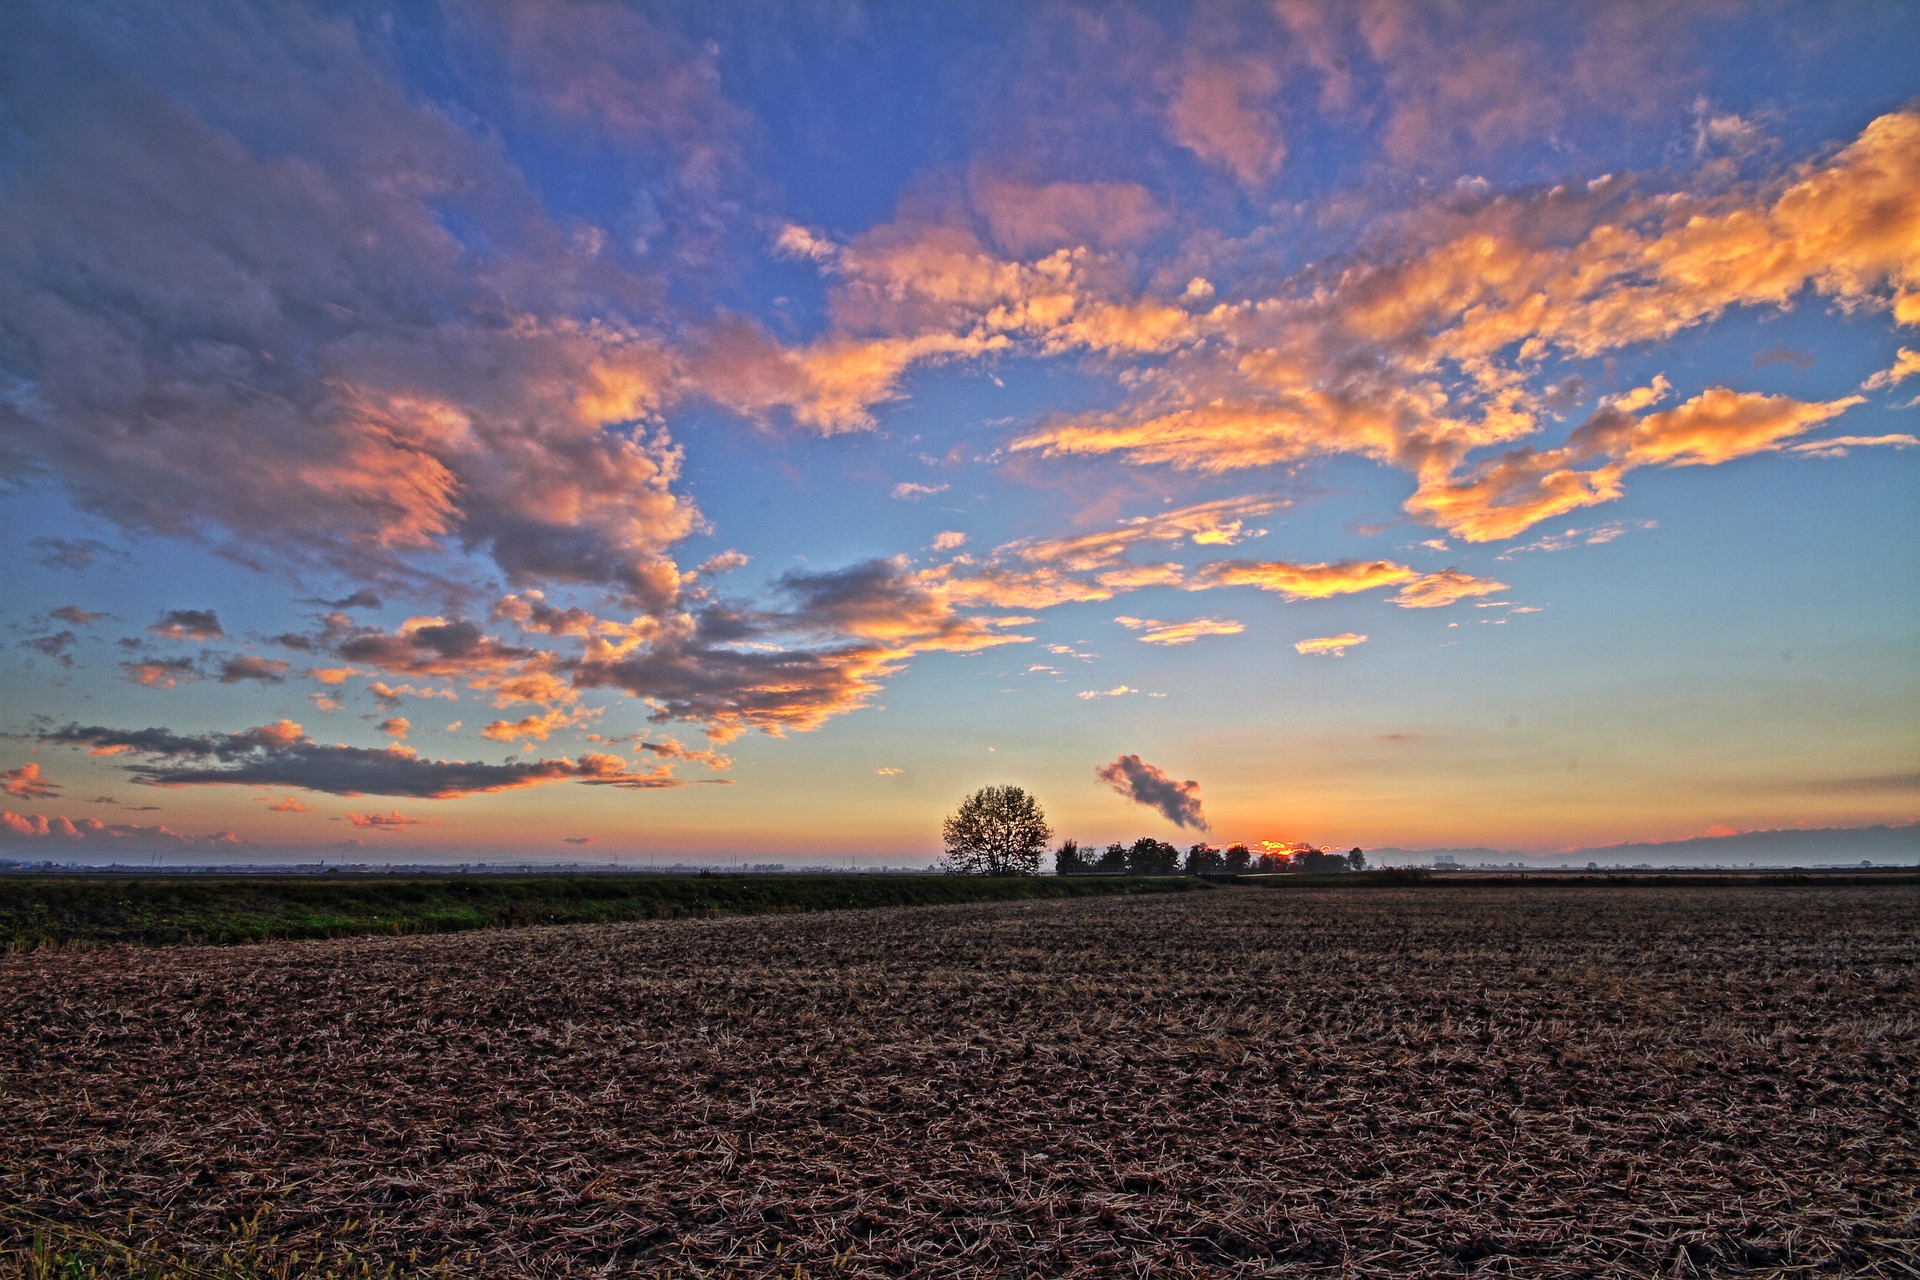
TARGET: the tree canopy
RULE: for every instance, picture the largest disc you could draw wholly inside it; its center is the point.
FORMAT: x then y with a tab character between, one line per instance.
997	831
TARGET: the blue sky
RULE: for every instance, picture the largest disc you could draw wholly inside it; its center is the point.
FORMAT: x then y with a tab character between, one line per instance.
618	430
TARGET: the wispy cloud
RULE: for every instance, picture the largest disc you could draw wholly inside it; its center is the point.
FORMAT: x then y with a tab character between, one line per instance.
1905	365
1329	646
390	821
189	624
1154	631
77	554
1838	446
1598	535
248	667
282	755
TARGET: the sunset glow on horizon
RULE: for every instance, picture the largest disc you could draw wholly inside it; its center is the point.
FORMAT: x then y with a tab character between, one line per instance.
598	431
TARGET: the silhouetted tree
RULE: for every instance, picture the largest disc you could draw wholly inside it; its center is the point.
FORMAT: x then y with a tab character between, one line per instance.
1070	860
1204	860
1356	859
997	831
1237	858
1150	857
1113	860
1311	859
1268	863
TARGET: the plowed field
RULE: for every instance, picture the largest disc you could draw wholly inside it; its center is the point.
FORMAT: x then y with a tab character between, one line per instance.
1525	1081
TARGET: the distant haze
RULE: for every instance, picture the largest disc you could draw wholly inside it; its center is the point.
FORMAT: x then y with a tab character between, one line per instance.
1827	846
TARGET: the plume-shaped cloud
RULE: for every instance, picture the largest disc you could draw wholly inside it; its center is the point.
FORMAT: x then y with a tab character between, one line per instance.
1134	778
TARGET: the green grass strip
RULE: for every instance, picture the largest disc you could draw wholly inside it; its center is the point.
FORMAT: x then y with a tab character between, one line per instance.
63	911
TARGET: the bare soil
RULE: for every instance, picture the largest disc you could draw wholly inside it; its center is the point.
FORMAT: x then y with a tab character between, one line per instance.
1536	1082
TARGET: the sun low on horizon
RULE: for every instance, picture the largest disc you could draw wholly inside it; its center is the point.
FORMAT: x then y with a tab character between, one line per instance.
577	431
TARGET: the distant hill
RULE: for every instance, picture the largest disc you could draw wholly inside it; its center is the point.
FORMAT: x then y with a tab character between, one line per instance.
1820	846
1816	847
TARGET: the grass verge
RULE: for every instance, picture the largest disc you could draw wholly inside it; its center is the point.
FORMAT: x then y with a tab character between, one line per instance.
40	912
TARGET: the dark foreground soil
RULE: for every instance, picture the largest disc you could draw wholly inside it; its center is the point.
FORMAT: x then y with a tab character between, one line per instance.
1530	1082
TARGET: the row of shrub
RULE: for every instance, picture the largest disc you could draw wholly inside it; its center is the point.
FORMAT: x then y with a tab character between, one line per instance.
1150	857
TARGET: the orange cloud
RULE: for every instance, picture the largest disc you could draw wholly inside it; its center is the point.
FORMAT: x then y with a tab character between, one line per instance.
1220	523
1330	646
1347	577
389	821
533	728
389	695
1435	590
1153	631
830	385
1904	366
396	727
159	673
1303	581
512	674
1522	487
1420	359
1715	426
673	749
791	669
530	611
288	804
914	292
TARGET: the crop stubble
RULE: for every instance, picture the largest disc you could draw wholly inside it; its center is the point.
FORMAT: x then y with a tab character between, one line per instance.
1542	1082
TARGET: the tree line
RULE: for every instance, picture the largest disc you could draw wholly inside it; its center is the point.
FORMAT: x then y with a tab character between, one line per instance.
1002	831
1150	857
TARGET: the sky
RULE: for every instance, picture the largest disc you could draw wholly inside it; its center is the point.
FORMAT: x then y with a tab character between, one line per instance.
601	431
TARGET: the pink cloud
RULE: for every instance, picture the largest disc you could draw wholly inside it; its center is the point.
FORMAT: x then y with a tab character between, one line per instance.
28	783
31	829
390	821
1223	112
